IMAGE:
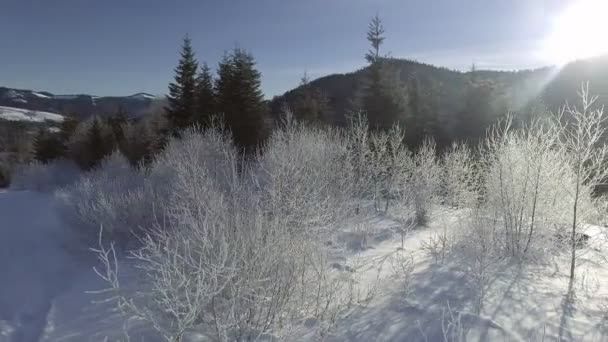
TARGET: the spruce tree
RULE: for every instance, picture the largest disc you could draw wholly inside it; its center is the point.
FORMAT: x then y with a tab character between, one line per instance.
182	92
47	146
240	98
99	143
205	97
375	36
117	122
383	100
66	130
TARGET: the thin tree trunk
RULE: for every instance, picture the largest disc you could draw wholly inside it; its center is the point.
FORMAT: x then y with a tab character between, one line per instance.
573	237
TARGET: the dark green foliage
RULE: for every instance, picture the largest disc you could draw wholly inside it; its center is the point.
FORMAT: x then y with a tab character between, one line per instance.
310	105
205	97
116	123
444	89
383	98
478	113
47	146
182	96
67	129
375	36
5	177
422	121
92	141
414	123
143	140
240	98
97	144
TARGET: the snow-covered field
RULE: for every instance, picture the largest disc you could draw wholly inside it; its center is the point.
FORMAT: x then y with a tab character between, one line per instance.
43	288
18	114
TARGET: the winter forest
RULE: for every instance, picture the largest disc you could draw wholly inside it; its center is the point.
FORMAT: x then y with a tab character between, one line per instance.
421	207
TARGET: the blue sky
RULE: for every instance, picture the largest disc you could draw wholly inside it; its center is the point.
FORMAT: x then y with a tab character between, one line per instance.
119	47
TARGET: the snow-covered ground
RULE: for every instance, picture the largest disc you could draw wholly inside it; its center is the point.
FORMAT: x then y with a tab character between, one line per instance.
42	284
18	114
43	287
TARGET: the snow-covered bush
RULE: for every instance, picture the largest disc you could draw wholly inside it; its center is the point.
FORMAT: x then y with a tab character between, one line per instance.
425	181
390	165
38	176
114	196
582	142
303	175
229	260
525	187
460	185
358	157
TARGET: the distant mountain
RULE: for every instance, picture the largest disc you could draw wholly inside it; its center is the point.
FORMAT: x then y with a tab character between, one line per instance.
516	88
79	106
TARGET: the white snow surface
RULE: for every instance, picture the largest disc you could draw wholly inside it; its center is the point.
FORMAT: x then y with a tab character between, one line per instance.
40	95
19	114
142	96
43	287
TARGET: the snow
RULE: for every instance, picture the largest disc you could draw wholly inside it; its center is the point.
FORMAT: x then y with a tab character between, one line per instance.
19	114
35	267
46	292
40	95
142	96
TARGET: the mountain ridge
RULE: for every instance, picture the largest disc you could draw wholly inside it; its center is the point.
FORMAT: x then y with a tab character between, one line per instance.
75	105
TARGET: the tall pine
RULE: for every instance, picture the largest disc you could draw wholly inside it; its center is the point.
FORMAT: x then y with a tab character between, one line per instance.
383	99
182	92
240	98
205	97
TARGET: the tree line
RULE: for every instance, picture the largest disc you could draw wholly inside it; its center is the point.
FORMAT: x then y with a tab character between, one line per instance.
233	95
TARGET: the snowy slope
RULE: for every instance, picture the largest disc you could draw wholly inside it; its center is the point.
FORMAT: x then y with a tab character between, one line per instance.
18	114
43	288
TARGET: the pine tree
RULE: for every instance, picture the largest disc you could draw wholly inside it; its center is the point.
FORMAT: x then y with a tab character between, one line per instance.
383	99
99	143
375	36
182	92
240	98
117	122
205	97
66	130
47	146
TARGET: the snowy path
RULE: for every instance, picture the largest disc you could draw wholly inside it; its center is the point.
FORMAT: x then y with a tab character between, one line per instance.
34	266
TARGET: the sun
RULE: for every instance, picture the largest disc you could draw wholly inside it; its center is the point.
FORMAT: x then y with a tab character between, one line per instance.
580	31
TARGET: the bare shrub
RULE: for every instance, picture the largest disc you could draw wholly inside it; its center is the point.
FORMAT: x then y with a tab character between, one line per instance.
460	183
232	257
112	195
303	175
438	246
582	141
358	158
425	181
402	265
523	187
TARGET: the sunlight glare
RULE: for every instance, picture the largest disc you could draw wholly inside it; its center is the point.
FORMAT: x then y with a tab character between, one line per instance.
581	31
